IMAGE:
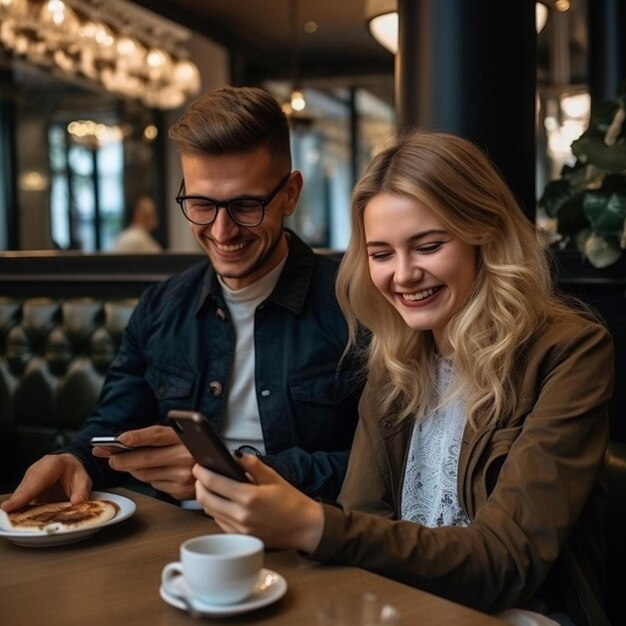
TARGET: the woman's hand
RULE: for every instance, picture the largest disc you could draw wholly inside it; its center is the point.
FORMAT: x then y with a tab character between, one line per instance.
269	507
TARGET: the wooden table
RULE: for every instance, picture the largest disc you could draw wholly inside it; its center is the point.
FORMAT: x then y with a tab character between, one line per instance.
113	578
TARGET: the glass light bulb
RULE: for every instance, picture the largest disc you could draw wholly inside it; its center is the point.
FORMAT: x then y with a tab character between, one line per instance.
187	76
125	45
298	103
156	58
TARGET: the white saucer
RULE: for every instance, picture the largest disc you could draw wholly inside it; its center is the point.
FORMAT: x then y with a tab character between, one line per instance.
270	587
42	539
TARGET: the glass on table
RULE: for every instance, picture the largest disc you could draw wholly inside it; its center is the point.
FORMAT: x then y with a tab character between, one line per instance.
356	609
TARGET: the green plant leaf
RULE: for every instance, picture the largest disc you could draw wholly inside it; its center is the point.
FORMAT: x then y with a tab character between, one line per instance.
571	216
614	183
581	238
593	150
601	117
605	210
556	193
576	175
600	252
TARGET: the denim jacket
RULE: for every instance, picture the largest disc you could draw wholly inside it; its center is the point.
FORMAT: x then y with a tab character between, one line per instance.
178	350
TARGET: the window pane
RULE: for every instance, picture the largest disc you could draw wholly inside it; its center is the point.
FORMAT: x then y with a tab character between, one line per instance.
59	202
322	149
56	139
111	192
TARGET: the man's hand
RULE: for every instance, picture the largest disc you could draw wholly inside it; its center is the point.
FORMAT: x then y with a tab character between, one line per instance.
53	477
159	459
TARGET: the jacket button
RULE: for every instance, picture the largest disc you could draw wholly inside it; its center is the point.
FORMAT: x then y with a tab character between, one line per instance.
161	392
221	314
265	393
216	388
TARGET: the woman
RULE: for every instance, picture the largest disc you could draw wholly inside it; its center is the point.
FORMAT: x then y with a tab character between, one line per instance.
483	425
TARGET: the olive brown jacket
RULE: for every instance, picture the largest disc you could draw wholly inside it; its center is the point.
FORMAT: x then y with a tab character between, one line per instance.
532	487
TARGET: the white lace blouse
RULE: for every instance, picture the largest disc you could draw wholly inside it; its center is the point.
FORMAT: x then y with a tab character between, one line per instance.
429	491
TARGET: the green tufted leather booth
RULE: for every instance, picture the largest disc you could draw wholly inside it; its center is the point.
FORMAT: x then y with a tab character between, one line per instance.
61	319
54	354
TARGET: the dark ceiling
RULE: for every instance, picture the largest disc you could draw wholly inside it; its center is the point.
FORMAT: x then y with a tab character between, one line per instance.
259	33
260	37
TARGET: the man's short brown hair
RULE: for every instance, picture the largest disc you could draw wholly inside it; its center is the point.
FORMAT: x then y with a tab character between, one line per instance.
233	120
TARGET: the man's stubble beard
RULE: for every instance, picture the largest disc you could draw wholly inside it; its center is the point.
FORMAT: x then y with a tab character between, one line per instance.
256	265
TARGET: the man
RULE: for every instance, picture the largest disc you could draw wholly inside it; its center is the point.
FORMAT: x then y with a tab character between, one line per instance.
137	236
252	338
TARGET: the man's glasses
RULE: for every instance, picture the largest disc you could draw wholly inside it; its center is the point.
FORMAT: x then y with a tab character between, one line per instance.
244	210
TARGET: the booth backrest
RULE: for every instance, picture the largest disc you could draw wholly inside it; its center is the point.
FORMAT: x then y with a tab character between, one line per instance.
54	354
61	319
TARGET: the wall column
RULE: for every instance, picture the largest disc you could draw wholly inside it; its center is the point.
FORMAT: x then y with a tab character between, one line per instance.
469	68
9	216
607	48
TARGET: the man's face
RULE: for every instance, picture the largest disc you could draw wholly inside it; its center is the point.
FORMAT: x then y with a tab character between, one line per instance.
241	254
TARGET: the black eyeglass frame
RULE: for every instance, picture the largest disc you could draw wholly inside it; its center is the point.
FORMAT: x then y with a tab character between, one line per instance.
262	200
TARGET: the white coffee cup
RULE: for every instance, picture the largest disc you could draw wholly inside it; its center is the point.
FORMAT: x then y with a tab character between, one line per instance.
218	569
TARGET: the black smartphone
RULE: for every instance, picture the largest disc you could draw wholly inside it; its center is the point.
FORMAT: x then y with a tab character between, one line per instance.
205	446
112	444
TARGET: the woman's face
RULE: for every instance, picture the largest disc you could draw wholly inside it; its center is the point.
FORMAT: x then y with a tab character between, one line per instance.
419	266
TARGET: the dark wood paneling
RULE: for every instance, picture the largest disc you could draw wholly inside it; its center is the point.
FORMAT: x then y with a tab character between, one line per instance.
605	292
64	275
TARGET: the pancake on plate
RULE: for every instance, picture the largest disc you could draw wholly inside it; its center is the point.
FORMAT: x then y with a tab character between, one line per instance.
62	516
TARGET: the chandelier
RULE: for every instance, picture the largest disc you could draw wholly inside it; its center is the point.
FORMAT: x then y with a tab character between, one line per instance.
125	49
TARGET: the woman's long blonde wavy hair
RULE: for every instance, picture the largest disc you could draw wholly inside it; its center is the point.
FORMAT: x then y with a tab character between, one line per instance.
511	297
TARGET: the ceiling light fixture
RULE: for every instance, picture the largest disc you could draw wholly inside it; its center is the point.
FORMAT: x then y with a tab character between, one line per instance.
297	100
541	16
124	48
382	18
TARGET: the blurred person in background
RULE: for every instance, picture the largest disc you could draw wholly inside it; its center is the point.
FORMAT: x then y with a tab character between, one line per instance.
137	236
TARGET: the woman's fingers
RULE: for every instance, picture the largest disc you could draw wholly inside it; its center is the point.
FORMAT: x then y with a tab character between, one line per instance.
261	473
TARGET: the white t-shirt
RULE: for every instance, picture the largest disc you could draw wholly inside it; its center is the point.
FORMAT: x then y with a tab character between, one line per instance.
242	422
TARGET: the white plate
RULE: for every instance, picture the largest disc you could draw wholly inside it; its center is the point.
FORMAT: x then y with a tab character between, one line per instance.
41	539
270	587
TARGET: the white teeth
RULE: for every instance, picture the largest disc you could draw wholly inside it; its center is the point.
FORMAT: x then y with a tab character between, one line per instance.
233	248
420	295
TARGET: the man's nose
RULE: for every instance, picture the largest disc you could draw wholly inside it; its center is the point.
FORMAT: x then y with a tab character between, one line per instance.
223	228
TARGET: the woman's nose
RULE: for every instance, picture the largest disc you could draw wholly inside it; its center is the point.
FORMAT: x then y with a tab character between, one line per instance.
407	272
